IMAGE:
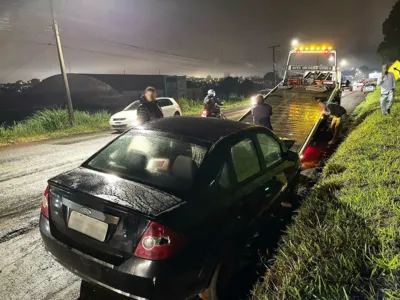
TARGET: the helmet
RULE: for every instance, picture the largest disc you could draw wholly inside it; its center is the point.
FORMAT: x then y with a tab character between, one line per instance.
211	92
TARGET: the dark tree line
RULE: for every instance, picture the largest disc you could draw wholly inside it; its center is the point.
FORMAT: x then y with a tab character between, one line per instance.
389	48
232	86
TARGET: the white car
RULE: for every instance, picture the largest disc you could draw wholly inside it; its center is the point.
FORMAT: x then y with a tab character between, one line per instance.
127	118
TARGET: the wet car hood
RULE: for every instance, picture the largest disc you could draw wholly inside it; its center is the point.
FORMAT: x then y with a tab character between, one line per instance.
136	196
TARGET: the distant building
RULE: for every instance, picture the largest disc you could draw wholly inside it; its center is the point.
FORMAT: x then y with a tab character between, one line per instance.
134	85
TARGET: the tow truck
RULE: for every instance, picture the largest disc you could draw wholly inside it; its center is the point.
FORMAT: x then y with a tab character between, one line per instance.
311	73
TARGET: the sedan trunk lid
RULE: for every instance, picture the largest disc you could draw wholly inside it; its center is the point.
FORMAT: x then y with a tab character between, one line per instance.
103	215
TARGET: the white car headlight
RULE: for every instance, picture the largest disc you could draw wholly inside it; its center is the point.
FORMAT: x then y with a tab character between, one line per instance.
253	100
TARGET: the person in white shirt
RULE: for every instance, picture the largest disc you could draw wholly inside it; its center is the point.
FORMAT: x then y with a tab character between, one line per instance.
388	86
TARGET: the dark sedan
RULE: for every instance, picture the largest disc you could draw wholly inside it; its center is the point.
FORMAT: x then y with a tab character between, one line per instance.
163	210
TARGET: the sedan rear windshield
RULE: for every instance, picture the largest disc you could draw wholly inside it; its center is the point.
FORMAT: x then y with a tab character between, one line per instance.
150	159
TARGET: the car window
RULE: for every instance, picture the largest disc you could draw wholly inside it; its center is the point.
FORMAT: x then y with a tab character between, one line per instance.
270	148
164	102
225	180
151	159
245	160
133	106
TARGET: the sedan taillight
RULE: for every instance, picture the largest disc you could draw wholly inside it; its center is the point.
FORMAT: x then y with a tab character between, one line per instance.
44	207
159	242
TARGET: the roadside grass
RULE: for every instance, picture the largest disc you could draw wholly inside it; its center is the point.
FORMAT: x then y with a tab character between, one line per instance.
368	107
51	123
345	240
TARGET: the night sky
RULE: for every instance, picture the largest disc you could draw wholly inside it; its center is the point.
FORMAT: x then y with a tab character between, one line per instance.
188	37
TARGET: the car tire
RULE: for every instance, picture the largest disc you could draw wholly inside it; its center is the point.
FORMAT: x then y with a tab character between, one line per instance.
87	291
293	191
92	291
177	114
211	292
222	275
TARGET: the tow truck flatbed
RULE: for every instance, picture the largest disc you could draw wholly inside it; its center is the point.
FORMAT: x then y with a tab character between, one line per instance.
296	115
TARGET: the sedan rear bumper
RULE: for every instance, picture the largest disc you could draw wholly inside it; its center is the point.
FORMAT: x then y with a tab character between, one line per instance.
134	281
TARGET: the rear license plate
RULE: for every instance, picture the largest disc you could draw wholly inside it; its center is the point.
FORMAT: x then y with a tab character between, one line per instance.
89	226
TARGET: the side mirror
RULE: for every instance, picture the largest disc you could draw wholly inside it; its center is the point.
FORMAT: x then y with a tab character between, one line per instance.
288	143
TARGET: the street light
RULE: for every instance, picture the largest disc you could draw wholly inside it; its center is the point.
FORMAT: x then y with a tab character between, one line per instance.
295	42
343	63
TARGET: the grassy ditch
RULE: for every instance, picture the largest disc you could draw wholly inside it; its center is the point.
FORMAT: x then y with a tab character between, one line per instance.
51	123
345	241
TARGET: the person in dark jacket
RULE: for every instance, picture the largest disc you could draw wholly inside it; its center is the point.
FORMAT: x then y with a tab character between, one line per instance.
262	113
148	109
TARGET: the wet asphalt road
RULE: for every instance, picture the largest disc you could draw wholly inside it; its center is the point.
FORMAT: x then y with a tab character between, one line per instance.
26	270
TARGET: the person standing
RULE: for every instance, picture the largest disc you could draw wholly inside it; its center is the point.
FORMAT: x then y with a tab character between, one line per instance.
262	113
148	109
388	86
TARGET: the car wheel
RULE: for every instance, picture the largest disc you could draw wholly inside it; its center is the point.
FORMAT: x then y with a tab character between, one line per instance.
292	195
87	291
223	274
92	291
177	114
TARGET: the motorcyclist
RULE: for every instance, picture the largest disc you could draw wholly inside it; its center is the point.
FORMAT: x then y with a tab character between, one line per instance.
211	104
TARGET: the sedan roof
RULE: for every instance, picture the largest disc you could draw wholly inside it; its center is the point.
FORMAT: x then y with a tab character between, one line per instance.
206	129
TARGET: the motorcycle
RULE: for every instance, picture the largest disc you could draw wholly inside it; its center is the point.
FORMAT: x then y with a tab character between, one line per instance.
218	115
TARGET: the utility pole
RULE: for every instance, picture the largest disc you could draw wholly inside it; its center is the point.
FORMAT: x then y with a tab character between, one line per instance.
274	60
62	67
